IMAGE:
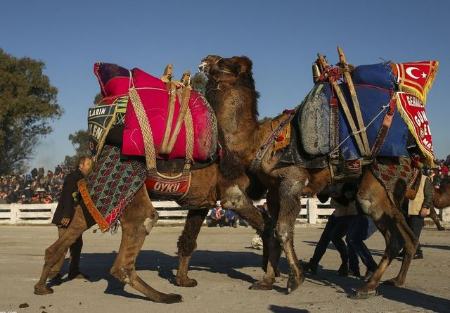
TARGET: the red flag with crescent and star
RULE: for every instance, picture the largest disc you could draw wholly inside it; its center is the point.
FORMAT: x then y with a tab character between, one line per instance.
412	111
415	77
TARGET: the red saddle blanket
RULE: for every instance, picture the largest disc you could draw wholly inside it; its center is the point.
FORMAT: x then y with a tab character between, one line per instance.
115	81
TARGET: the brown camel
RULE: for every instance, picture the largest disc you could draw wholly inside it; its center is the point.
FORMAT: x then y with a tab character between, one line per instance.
139	217
231	92
441	200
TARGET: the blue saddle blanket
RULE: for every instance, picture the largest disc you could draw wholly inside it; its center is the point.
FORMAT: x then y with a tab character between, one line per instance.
374	85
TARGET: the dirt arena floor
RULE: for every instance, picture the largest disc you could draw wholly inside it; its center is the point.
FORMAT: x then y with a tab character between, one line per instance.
224	266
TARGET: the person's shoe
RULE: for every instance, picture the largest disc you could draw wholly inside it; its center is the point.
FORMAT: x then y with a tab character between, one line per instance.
310	267
418	256
356	274
56	279
343	270
77	275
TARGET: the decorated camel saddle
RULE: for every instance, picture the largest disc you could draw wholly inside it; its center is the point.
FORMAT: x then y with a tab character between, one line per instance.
364	115
353	115
144	130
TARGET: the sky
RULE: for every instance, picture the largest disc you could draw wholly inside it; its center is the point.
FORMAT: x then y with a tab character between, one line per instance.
281	37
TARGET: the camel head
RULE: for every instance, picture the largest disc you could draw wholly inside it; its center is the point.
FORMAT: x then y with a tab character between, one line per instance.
228	70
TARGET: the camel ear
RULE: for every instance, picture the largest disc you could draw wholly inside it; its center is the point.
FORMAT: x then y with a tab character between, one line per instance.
245	64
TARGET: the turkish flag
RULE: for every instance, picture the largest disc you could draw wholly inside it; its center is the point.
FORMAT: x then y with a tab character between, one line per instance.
415	77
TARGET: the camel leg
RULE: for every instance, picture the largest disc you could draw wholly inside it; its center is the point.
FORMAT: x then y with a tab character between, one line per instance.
237	200
435	218
290	191
374	201
271	246
187	244
137	221
57	250
410	246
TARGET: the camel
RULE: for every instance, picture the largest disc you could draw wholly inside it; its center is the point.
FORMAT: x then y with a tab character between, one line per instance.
207	186
231	92
441	200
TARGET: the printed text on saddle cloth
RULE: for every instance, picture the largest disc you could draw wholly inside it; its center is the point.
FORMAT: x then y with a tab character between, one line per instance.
413	111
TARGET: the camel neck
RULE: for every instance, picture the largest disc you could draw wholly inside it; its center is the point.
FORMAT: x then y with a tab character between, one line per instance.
237	119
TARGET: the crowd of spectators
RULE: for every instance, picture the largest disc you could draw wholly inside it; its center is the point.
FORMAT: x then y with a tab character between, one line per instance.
38	186
442	171
41	187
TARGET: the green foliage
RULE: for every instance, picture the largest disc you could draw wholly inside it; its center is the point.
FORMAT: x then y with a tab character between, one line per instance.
27	105
80	141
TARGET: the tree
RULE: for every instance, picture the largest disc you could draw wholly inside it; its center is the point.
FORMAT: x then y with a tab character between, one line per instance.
27	105
80	141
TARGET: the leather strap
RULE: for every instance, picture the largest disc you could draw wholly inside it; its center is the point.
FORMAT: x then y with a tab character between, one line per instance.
384	129
256	163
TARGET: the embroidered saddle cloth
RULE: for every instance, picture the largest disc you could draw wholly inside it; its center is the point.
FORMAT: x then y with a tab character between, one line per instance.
110	186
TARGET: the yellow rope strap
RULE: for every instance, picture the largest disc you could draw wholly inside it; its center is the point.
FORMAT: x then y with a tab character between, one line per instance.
189	125
172	97
149	147
105	134
185	95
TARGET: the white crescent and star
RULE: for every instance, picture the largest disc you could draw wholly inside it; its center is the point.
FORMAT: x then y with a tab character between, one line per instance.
409	71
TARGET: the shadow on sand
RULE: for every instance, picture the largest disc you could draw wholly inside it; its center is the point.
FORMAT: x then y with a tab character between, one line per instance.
410	297
97	265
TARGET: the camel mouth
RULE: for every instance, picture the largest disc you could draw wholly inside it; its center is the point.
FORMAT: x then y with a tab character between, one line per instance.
203	67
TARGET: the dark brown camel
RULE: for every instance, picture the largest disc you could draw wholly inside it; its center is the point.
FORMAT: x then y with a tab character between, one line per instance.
231	92
139	217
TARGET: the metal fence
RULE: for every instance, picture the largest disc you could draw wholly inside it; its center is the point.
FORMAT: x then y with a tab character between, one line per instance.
170	213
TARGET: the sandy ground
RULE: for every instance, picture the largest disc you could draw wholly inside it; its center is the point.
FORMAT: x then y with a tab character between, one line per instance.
224	266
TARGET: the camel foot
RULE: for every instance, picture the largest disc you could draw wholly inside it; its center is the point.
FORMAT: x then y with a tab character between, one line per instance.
171	298
363	294
42	290
185	282
261	285
294	282
393	282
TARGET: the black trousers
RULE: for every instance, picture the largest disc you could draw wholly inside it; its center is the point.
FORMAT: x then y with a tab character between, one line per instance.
356	235
416	223
335	229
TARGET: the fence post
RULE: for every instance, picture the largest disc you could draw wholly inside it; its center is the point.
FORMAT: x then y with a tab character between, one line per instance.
311	208
14	217
445	214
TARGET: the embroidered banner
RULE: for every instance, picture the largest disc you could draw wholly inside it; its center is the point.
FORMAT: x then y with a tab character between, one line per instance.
415	77
413	112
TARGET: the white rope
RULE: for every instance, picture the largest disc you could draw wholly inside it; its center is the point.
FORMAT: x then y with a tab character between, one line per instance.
384	107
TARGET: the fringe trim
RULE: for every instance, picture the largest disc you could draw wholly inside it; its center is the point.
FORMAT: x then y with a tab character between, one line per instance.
82	187
428	156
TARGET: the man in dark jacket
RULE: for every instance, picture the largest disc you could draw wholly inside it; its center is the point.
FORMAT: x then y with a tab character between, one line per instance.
63	216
